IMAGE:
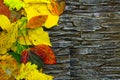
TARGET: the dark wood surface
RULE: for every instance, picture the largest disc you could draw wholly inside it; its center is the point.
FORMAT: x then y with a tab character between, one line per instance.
87	41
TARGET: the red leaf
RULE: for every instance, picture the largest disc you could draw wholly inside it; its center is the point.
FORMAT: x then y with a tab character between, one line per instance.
37	21
45	52
4	10
30	56
24	57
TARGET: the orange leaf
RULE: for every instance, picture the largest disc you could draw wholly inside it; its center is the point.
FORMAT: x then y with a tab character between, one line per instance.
4	10
37	21
45	52
56	7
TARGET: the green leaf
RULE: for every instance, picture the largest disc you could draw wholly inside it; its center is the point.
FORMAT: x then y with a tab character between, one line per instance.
20	48
15	55
22	30
14	4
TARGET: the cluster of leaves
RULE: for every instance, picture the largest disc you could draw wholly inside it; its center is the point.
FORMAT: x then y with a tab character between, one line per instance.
21	29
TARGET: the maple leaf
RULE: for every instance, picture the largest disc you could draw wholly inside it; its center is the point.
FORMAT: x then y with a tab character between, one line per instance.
37	21
56	7
45	53
4	10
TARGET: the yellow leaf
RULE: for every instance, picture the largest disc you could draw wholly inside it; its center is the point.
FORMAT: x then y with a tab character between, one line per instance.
36	1
51	21
29	72
4	22
41	9
35	37
8	35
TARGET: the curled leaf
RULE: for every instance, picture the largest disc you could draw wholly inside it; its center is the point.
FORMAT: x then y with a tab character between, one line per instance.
45	53
37	21
56	7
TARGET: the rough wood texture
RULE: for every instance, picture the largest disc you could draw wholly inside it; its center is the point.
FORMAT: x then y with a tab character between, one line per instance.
87	41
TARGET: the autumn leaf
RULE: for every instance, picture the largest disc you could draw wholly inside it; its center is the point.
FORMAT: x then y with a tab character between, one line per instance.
30	56
36	1
15	15
41	9
5	23
15	56
4	10
14	4
37	21
45	53
8	34
34	37
24	56
1	1
56	7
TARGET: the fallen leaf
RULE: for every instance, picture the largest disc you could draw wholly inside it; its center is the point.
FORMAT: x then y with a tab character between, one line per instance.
14	4
8	34
36	1
45	53
30	56
24	56
4	10
56	7
34	37
41	9
37	21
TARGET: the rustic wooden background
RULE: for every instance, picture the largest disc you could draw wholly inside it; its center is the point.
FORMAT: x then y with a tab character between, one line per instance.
87	41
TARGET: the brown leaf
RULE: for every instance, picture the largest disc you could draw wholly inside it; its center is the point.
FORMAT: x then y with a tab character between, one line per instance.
37	21
57	7
4	10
